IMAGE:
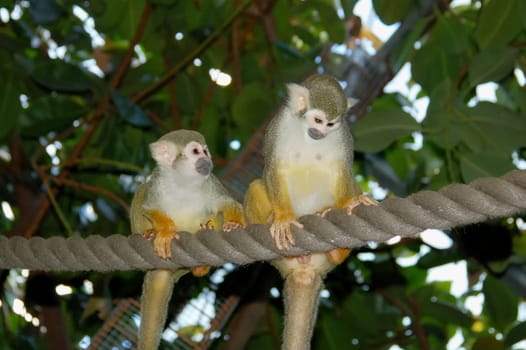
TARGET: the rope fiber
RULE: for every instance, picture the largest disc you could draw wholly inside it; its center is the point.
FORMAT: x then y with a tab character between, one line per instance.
453	205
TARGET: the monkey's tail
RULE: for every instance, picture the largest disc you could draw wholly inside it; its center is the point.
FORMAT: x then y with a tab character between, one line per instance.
157	290
301	297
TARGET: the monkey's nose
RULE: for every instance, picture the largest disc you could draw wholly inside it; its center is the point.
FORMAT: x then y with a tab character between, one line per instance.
204	166
315	134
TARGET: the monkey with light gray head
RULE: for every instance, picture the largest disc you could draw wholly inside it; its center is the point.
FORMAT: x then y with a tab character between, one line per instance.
308	153
182	194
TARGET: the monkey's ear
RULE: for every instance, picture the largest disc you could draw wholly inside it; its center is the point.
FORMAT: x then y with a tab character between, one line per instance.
164	152
298	97
351	102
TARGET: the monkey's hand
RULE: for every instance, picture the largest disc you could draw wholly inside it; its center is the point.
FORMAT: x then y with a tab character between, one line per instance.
232	225
165	231
324	211
356	201
281	233
208	226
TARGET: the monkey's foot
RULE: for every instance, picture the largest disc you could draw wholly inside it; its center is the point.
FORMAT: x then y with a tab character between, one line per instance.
361	199
232	225
162	244
281	233
337	255
200	271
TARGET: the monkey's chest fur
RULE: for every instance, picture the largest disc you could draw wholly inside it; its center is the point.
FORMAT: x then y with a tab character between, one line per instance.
187	206
310	170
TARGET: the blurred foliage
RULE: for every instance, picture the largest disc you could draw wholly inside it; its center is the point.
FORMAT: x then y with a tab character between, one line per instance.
86	86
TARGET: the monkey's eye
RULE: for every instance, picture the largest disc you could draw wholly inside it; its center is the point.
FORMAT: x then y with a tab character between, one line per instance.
205	151
330	124
195	151
318	120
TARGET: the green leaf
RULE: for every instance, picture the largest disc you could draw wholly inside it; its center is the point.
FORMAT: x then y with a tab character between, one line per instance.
486	127
334	26
406	47
446	313
487	342
348	7
129	111
432	64
498	24
363	319
187	93
522	11
164	2
438	258
251	106
61	76
331	332
50	113
120	17
475	165
516	334
491	128
492	64
44	11
381	128
451	34
392	11
439	114
500	302
10	108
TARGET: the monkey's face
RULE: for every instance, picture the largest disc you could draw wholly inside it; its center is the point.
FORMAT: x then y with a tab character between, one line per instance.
194	160
319	125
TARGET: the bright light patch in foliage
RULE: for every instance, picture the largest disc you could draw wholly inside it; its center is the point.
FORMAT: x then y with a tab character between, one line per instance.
219	77
62	289
8	211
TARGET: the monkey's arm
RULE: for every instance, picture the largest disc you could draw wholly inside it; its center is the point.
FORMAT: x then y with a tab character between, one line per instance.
348	195
231	210
164	229
138	220
353	197
152	223
283	215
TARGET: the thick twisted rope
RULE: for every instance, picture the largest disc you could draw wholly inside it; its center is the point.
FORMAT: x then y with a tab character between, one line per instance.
453	205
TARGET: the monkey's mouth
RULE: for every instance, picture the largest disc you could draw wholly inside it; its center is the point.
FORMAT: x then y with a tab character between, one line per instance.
315	134
204	166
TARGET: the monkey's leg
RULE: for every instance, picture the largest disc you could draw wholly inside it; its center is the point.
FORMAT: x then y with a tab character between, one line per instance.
156	293
257	204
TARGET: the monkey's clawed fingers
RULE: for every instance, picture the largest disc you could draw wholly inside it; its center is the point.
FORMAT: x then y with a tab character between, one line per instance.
361	199
324	212
282	235
208	226
149	234
231	225
162	244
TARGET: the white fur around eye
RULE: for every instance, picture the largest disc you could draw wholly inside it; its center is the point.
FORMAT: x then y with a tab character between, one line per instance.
314	114
193	149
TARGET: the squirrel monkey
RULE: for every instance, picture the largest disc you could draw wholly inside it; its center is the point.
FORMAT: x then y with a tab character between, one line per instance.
181	194
308	152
